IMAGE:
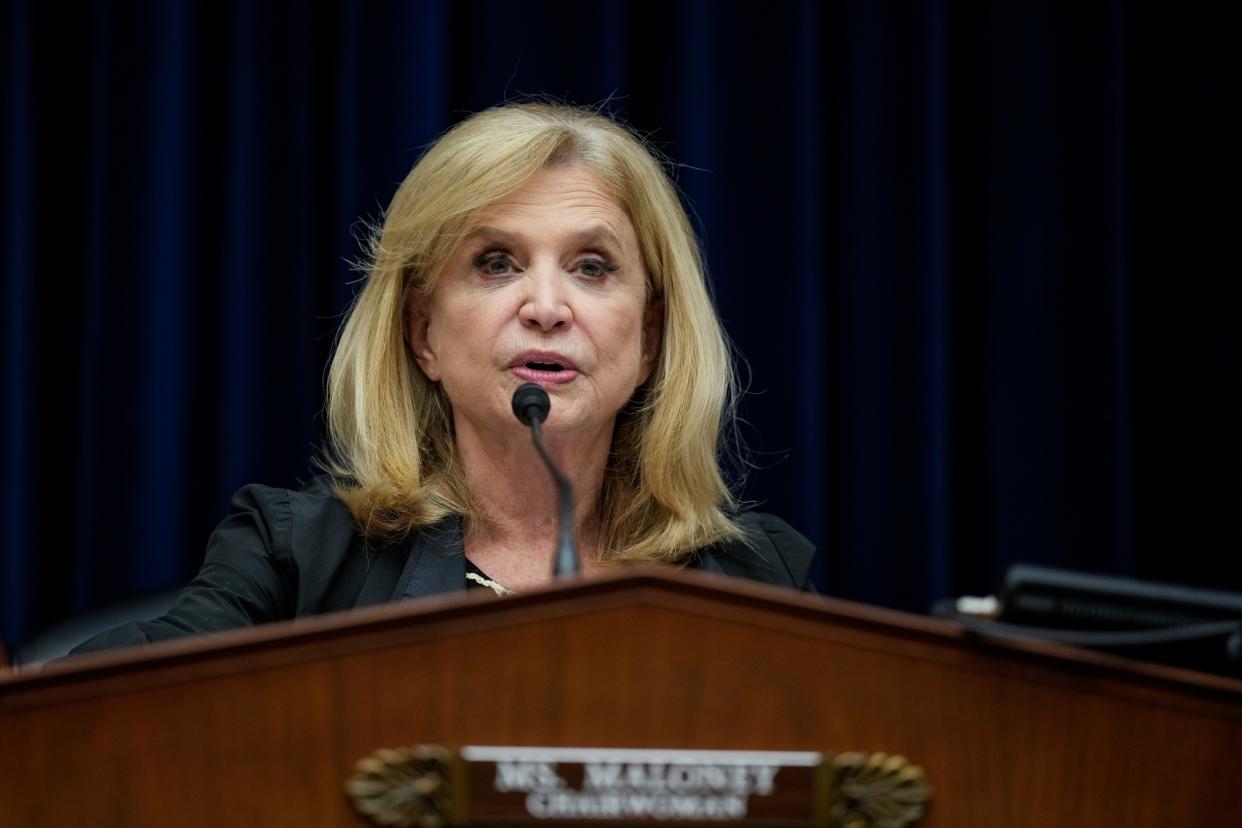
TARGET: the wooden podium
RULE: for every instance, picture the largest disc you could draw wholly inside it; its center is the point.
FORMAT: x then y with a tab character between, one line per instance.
264	726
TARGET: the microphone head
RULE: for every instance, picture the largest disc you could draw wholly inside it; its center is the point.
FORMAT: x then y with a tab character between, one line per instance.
530	402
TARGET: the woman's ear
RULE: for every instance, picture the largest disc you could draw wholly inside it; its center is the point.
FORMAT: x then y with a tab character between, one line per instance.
653	338
418	333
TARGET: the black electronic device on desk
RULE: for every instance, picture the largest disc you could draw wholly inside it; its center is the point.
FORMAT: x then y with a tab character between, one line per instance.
1182	626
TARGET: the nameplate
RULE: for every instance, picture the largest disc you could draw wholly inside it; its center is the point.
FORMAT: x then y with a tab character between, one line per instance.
490	785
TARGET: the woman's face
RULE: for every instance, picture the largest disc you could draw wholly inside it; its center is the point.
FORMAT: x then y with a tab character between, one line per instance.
547	287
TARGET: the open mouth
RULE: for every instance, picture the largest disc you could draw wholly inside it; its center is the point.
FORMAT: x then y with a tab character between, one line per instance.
545	368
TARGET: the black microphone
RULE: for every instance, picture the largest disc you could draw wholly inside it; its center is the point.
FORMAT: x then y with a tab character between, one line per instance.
531	406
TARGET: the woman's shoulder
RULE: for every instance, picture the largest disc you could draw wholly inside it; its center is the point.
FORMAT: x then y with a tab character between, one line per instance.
304	535
316	494
313	509
770	551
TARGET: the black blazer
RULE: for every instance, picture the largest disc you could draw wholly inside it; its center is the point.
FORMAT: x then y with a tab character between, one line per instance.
283	554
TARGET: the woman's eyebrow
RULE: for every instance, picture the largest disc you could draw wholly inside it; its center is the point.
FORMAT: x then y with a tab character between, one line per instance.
595	235
493	234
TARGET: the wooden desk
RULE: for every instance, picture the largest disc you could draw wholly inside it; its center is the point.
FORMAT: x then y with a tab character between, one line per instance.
263	726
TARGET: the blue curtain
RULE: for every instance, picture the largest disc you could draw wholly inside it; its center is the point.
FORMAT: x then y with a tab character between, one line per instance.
977	258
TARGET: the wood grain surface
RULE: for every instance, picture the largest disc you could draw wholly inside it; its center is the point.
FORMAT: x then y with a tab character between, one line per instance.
263	726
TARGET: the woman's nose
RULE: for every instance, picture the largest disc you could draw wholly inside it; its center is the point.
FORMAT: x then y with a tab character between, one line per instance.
546	305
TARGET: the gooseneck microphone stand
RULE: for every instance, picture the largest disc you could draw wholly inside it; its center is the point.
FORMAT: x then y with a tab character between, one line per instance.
531	406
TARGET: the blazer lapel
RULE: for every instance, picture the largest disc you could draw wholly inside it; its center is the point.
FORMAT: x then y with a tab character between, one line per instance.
385	569
437	562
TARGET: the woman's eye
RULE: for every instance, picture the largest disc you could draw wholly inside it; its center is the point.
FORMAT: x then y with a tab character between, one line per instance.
494	263
594	268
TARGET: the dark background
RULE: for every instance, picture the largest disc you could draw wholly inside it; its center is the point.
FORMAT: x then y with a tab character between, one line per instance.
980	259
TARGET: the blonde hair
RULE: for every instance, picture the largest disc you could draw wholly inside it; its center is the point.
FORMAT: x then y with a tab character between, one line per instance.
392	449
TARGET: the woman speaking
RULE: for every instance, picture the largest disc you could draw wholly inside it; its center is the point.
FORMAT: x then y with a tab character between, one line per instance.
531	244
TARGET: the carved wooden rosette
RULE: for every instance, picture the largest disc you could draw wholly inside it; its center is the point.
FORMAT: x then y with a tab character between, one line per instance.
430	787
